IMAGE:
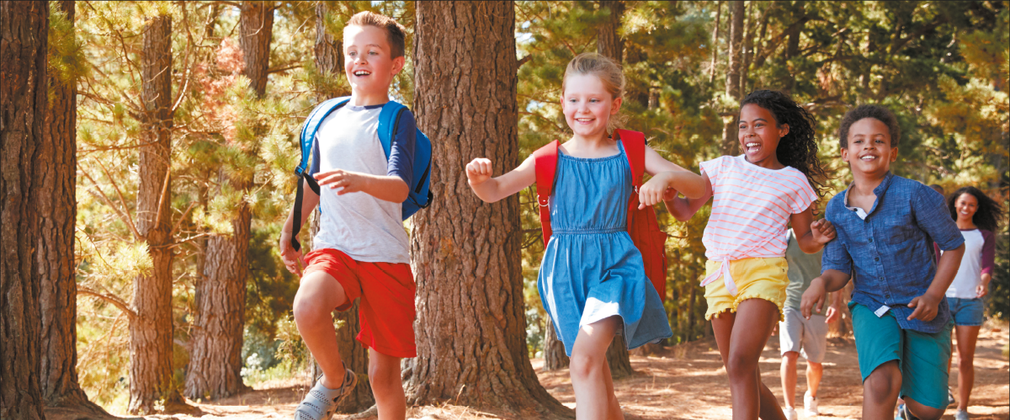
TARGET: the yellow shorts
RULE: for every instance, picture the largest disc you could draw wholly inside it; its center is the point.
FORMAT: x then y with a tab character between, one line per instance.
755	278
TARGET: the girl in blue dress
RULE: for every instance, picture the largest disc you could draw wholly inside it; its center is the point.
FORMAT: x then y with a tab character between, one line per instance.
592	280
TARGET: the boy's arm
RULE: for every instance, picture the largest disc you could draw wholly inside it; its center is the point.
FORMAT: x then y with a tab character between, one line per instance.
293	259
813	299
384	187
933	217
926	305
479	171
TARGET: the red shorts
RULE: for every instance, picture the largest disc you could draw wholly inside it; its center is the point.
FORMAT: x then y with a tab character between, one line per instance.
386	290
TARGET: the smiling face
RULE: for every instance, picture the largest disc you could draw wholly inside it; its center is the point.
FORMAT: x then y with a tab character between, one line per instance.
368	63
966	206
588	105
869	151
759	135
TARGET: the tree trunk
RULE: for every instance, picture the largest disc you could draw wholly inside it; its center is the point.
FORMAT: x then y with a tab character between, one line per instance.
151	330
256	22
619	359
690	312
608	41
330	61
748	46
471	327
55	251
23	45
554	350
729	131
715	42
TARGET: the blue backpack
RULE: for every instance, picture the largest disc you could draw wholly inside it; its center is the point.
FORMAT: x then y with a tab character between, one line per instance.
389	118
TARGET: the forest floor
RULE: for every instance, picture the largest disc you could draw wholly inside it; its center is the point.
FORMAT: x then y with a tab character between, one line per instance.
682	382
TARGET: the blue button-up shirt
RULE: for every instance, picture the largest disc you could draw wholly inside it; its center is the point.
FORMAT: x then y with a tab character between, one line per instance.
889	252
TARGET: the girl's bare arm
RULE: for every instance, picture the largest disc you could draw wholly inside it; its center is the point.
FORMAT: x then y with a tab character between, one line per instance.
479	171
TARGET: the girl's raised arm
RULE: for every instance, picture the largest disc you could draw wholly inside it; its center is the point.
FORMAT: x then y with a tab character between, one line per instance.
478	175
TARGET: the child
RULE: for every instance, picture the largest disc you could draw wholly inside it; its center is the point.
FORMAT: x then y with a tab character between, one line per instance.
592	280
977	216
886	225
361	248
756	195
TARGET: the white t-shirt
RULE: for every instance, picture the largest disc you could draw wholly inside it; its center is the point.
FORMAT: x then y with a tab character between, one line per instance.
365	228
979	249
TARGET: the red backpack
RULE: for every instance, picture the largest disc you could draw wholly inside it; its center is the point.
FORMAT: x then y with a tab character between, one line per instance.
642	224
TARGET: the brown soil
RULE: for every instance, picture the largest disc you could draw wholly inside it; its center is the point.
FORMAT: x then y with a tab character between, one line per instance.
682	382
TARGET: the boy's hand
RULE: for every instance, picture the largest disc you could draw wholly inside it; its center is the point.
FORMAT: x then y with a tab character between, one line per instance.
823	231
293	260
478	171
813	298
654	191
926	307
832	314
347	181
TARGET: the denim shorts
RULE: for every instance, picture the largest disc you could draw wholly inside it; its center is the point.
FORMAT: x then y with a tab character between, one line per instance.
967	312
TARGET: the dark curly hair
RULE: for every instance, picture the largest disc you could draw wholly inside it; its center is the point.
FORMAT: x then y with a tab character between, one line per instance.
989	212
876	112
797	148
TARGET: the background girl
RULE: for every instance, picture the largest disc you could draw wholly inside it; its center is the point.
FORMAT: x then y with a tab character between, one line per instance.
592	280
757	195
977	216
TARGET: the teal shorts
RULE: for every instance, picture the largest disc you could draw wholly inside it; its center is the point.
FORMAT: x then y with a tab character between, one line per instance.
921	357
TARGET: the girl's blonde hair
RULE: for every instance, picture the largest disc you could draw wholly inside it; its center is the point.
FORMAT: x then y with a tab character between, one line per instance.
609	73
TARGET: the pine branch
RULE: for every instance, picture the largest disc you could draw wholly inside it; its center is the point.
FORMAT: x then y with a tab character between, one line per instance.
101	194
114	300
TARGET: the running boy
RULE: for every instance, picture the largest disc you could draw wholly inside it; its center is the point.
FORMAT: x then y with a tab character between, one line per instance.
361	248
886	225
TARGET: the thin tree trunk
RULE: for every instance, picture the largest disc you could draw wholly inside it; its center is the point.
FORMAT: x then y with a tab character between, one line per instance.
608	40
729	141
748	46
619	359
715	42
554	350
690	313
23	45
471	327
151	331
328	49
55	251
256	22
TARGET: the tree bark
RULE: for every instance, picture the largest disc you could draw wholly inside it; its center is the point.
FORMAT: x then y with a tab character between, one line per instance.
729	131
23	45
715	42
554	350
608	41
256	22
748	46
151	331
471	327
328	49
55	249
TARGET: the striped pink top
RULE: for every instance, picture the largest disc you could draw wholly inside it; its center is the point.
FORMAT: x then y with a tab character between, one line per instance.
751	208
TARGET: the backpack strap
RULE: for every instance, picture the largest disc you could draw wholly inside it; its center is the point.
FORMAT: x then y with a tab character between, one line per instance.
634	148
306	139
546	166
389	119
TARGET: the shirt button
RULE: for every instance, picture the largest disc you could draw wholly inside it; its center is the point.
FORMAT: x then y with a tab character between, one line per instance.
871	240
876	258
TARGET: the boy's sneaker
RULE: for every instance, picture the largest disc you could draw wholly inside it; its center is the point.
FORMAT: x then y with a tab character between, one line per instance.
789	412
950	397
810	404
961	415
321	401
901	412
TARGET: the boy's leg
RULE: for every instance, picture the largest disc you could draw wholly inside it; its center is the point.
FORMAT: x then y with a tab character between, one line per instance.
741	340
879	343
967	336
880	391
318	295
788	374
790	340
924	376
384	376
587	367
814	372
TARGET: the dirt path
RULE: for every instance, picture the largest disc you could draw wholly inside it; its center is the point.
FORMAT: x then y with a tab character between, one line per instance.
684	382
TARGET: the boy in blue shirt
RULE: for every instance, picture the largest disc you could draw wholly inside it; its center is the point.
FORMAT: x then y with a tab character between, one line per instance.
361	248
886	227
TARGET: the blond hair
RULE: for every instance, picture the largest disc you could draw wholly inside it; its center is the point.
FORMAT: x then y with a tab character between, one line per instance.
608	71
394	31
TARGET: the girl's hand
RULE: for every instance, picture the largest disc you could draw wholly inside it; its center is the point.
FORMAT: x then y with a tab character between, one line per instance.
654	191
293	260
478	171
982	290
813	298
925	306
347	181
823	231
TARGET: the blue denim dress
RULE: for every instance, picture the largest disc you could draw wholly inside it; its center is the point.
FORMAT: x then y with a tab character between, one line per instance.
591	269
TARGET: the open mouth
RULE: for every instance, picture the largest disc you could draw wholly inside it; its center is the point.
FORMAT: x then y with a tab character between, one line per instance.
362	73
868	158
752	147
584	120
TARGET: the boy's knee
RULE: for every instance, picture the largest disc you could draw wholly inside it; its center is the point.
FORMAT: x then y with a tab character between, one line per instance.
883	383
308	309
383	377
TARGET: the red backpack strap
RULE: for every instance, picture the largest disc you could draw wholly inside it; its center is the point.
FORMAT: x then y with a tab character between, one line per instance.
546	165
634	147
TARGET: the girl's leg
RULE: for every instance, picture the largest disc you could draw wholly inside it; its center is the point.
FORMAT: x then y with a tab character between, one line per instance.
387	388
740	343
966	339
588	365
615	407
318	295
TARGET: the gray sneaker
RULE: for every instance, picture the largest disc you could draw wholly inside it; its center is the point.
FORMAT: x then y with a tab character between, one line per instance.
320	402
961	415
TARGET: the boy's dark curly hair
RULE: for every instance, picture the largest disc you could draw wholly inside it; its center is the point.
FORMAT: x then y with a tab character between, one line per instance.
877	112
989	212
797	148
